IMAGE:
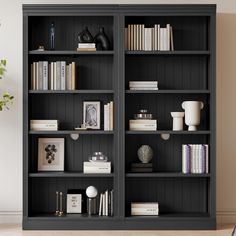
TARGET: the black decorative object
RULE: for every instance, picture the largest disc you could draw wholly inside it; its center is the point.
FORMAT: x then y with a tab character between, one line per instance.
52	36
85	36
101	40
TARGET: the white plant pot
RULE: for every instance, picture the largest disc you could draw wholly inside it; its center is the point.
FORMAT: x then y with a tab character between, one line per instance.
177	120
192	113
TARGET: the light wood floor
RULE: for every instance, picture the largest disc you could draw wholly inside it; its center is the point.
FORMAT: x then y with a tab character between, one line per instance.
15	230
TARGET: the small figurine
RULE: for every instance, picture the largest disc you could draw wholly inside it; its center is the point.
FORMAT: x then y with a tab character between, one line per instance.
52	36
85	36
101	40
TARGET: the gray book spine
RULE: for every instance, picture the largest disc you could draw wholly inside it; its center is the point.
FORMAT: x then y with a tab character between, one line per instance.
40	76
63	75
45	75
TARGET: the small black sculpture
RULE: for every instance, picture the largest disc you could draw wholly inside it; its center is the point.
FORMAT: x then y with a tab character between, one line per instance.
85	36
101	40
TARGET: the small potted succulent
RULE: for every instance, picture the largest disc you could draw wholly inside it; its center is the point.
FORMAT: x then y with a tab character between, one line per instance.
6	98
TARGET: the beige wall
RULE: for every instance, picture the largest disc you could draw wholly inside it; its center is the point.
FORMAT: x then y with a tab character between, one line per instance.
11	121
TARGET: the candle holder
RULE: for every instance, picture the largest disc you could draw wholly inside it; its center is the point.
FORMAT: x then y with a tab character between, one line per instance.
61	213
57	204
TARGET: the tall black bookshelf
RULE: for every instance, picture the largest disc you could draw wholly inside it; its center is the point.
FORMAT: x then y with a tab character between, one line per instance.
186	201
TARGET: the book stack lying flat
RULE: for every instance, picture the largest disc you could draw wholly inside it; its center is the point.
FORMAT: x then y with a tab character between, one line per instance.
53	76
141	167
86	47
106	203
143	125
138	37
144	209
97	167
143	85
195	158
108	116
44	125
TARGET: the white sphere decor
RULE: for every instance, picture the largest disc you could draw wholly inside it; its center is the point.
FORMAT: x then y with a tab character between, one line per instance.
91	192
145	153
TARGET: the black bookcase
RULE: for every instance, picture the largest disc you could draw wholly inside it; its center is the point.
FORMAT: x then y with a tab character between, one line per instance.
186	201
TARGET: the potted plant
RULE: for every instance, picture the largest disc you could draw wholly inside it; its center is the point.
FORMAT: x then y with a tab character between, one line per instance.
6	99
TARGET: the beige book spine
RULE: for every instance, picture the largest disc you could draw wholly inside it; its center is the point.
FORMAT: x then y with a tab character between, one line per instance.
73	76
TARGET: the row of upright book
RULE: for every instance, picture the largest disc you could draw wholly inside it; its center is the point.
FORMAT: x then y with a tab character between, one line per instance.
138	37
53	76
195	158
106	203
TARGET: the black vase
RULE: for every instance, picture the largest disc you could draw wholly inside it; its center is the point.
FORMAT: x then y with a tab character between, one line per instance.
85	36
101	40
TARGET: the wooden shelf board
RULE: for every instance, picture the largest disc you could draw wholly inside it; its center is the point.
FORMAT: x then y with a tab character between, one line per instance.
173	216
168	132
50	216
72	132
69	52
169	91
67	174
167	175
180	52
80	91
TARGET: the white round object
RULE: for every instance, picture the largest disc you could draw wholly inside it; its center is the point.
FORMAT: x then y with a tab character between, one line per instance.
91	192
192	113
145	153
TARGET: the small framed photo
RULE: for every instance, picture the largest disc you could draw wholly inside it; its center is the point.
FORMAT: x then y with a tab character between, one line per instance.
76	201
51	154
91	114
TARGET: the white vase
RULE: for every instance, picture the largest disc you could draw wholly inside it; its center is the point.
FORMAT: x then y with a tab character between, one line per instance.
177	120
192	113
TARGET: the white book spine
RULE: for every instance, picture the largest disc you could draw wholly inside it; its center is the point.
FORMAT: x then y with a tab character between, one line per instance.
158	37
168	37
185	159
108	116
51	76
103	204
106	195
58	75
105	118
63	75
55	76
100	204
207	158
45	75
40	75
111	115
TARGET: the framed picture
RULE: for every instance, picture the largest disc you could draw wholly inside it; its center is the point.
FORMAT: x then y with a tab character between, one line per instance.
76	201
91	114
51	154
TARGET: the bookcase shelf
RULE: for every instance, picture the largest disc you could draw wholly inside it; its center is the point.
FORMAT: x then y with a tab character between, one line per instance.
67	52
162	53
186	201
166	175
68	175
190	91
185	132
84	91
60	132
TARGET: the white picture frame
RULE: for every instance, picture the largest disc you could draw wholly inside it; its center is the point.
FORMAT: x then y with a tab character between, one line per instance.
74	203
92	114
51	154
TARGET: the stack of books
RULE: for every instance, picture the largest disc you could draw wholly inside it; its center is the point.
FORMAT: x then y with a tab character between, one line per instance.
141	167
97	167
53	76
44	125
143	85
108	116
195	158
106	203
137	37
89	47
143	125
144	209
